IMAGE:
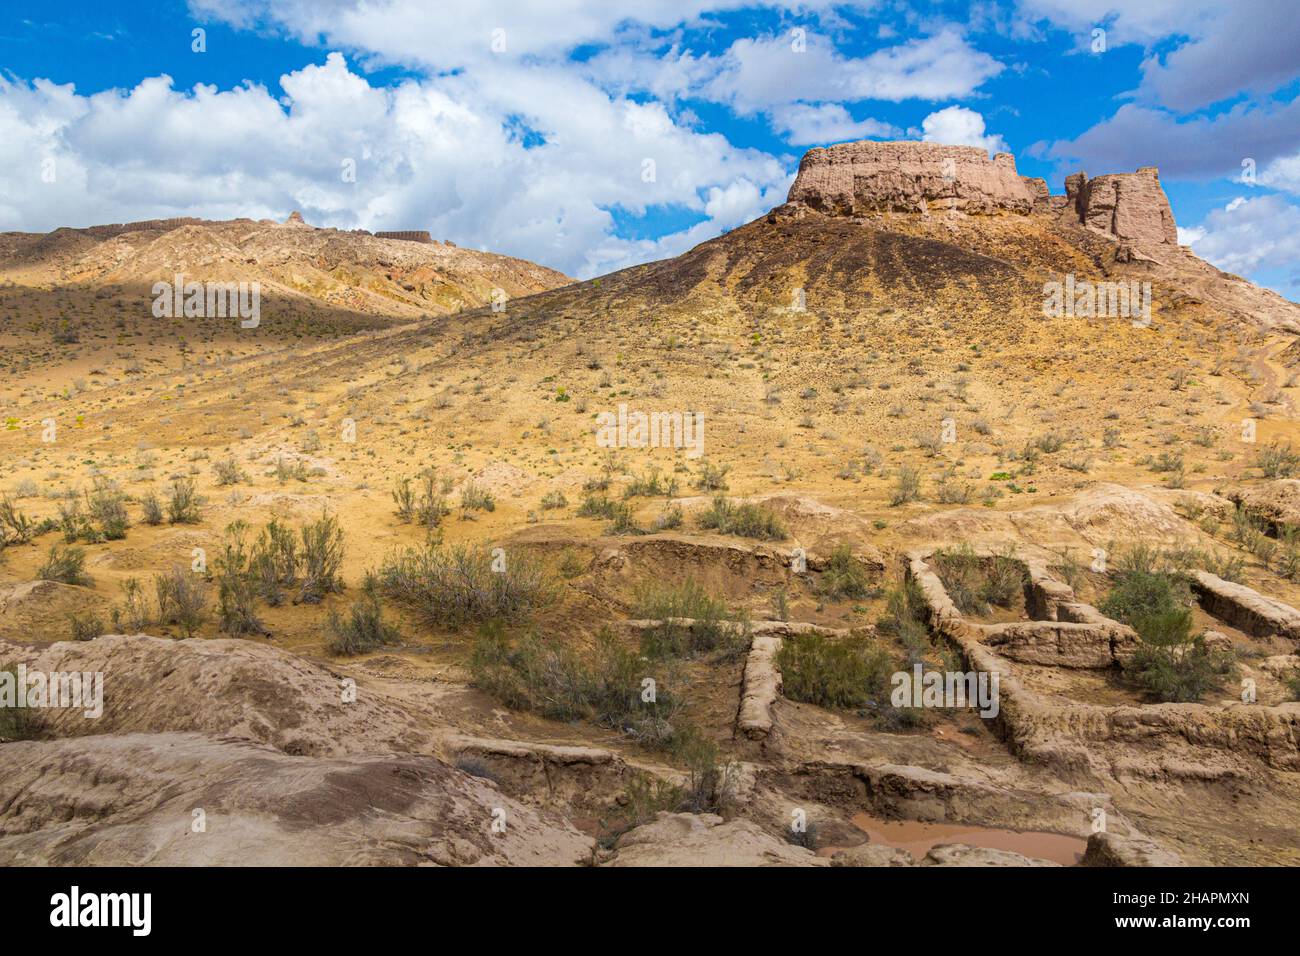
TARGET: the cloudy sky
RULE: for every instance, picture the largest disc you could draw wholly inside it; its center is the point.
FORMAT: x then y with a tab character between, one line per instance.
589	135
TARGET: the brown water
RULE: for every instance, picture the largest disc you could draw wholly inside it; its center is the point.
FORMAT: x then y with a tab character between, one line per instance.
918	838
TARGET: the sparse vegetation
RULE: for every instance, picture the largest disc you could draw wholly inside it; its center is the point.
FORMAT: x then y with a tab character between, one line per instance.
1278	460
844	576
364	629
64	564
712	627
182	502
319	559
747	520
711	477
227	472
977	582
455	585
86	626
236	587
17	720
182	599
907	486
1170	663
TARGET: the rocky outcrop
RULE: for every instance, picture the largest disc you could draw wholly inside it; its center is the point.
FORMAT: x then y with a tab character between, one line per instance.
947	854
195	800
961	854
866	177
1111	849
1129	206
547	773
689	839
872	854
1039	193
117	228
1275	502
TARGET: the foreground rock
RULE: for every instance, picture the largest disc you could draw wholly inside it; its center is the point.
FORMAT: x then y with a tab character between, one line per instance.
1109	849
684	839
137	799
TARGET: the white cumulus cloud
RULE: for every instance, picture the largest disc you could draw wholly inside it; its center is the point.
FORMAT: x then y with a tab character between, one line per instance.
959	126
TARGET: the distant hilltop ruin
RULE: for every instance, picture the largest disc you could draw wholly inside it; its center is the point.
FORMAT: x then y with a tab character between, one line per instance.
404	235
116	228
870	177
109	230
409	235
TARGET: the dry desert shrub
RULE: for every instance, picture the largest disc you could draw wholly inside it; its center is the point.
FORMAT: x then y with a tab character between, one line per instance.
455	585
746	520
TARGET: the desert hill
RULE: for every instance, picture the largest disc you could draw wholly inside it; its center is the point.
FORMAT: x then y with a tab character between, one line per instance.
355	270
876	378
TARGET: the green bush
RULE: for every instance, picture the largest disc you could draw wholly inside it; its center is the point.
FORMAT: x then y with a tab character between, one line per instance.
236	587
65	565
907	486
622	521
319	559
598	506
429	507
86	627
182	502
474	498
905	619
17	721
714	628
107	506
1142	593
745	520
849	672
364	629
975	582
711	477
152	508
649	485
545	676
76	525
1277	460
1170	663
669	519
454	585
273	563
15	526
844	576
227	472
182	599
132	616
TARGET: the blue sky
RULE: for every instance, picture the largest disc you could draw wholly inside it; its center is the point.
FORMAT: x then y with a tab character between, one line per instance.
529	128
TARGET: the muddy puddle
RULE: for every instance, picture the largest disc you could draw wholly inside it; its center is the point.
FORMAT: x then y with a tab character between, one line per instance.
918	838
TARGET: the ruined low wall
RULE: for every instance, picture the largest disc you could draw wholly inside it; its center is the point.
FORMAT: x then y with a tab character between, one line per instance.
1056	732
410	235
1064	631
760	689
116	228
1244	608
1061	643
